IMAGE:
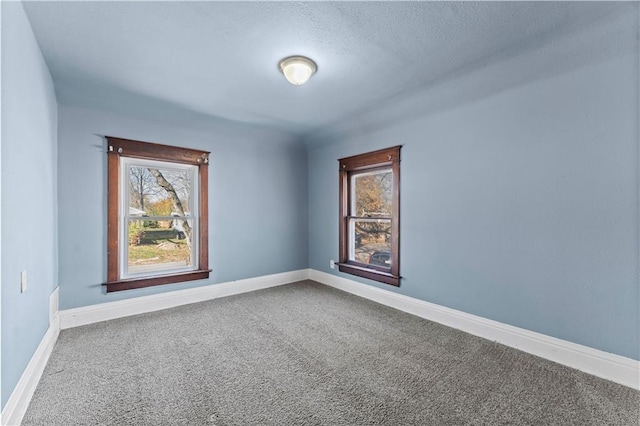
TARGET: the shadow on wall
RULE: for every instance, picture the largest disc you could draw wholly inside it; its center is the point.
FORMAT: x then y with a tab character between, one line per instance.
594	42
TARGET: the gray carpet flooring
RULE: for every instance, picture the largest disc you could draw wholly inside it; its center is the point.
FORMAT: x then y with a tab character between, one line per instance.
306	354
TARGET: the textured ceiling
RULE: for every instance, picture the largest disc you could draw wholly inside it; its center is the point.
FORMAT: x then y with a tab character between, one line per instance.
220	58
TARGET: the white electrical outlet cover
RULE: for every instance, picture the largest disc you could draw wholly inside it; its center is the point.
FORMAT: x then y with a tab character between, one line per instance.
23	281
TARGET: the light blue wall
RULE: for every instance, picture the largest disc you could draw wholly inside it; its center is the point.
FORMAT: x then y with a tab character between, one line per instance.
29	205
257	197
521	206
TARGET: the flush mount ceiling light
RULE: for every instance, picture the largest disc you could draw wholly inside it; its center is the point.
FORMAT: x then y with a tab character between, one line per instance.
297	69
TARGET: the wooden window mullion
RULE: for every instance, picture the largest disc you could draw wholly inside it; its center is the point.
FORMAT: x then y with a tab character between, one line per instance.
117	148
369	162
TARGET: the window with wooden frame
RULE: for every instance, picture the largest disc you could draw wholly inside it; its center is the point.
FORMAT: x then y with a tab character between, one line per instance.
157	231
370	215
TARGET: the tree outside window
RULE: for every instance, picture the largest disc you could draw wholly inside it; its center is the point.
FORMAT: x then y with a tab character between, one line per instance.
369	215
157	220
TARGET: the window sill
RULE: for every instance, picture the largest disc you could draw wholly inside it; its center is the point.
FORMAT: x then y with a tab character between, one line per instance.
159	280
372	274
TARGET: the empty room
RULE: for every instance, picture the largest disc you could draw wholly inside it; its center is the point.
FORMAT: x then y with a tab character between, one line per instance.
320	213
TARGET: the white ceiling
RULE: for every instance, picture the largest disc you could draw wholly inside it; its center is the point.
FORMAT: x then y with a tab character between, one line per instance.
220	58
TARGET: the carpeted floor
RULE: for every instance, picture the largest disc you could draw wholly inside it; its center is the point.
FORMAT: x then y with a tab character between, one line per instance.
306	354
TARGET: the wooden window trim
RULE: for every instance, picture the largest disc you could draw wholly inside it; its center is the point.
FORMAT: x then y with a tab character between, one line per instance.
383	158
118	147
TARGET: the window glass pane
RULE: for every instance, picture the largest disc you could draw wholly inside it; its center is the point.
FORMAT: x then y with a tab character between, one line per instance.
159	245
372	194
159	191
370	241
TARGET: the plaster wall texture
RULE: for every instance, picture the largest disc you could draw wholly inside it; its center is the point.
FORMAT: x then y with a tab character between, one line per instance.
257	199
520	188
29	195
521	206
177	51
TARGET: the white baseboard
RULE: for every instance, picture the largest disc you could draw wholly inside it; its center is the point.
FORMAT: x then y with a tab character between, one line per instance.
18	402
616	368
612	367
54	316
105	311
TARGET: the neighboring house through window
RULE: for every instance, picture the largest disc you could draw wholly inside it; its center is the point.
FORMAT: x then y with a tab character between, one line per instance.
369	215
157	214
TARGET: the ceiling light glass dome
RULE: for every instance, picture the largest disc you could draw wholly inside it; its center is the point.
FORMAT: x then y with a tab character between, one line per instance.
298	69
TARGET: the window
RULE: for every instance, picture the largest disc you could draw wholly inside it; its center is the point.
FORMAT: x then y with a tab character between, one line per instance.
369	215
157	229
